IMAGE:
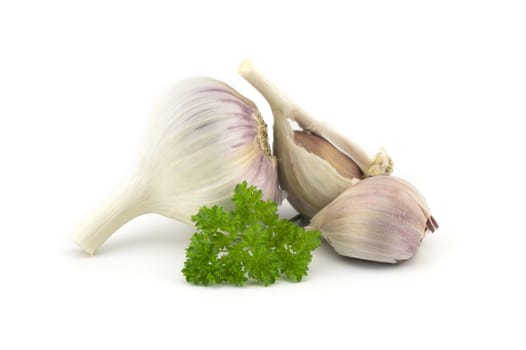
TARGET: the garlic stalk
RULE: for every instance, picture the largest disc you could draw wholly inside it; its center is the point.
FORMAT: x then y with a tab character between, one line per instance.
204	139
317	163
382	218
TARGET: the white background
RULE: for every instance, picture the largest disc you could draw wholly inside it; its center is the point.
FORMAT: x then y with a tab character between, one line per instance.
441	85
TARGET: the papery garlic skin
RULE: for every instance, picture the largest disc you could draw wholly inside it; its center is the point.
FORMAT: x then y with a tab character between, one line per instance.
343	164
311	181
381	219
204	139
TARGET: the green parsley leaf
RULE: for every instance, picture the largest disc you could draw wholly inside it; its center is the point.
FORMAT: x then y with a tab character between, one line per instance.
250	242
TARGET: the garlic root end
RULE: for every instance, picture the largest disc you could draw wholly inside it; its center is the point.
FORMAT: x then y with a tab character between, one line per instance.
382	165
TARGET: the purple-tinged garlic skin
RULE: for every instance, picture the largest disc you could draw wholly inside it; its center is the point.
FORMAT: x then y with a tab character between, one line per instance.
381	218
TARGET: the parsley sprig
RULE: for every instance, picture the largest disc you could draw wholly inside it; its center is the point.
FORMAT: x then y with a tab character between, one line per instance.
249	242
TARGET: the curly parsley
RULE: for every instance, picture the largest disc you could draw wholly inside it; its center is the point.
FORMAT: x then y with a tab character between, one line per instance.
250	242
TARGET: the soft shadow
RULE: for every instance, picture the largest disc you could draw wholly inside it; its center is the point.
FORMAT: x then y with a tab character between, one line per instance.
329	253
76	252
148	231
174	236
374	265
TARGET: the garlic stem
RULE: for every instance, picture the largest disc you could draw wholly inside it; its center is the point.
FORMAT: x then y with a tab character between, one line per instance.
275	97
283	107
124	206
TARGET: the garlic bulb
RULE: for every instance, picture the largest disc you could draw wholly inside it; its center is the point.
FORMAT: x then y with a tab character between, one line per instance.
315	164
381	218
204	139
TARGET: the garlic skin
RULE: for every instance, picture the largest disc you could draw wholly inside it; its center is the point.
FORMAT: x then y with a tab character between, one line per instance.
381	219
307	159
204	138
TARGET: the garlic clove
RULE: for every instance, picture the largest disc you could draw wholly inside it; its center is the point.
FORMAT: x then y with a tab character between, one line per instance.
317	145
204	138
315	164
311	182
381	219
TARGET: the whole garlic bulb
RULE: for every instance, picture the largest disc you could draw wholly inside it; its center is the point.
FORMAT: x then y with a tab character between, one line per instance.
204	139
315	164
382	218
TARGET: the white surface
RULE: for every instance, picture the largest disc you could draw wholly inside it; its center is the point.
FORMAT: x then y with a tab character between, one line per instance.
441	86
